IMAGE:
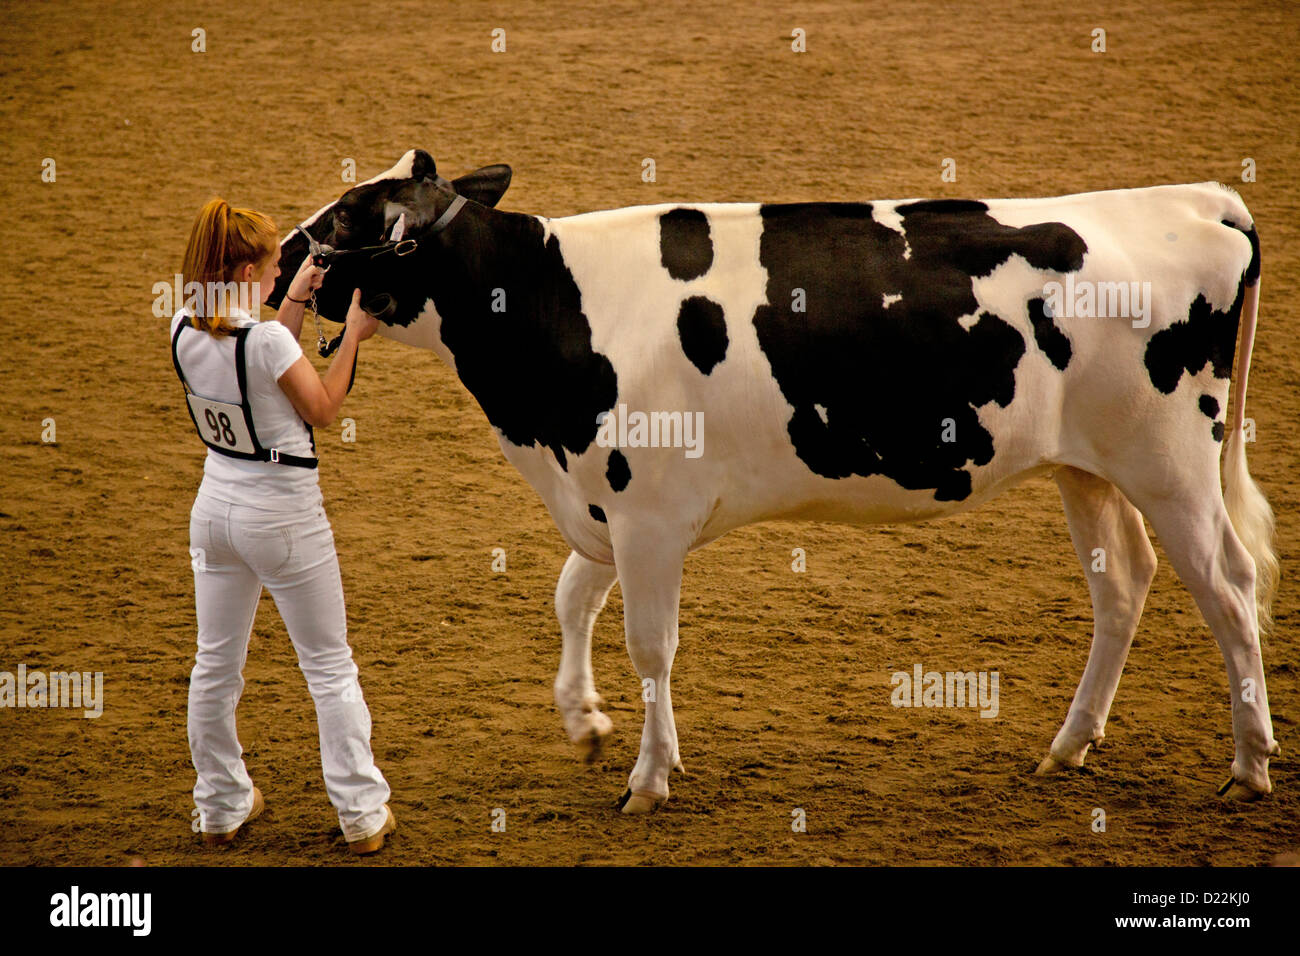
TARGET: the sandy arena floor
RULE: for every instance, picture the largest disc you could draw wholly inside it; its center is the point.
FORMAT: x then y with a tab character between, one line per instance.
781	683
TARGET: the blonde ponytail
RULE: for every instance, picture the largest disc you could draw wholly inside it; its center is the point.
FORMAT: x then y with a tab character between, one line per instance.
223	240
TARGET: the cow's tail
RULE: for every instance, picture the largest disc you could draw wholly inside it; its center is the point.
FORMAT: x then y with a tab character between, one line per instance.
1248	509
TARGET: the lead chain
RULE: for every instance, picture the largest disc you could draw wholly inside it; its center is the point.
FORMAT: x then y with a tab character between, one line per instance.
322	346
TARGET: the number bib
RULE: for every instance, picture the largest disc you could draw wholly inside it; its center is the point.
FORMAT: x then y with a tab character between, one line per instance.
227	427
221	424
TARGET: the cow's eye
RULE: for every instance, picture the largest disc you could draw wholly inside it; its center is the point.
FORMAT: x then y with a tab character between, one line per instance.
341	219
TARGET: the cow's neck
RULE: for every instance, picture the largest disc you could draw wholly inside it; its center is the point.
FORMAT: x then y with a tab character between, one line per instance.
511	317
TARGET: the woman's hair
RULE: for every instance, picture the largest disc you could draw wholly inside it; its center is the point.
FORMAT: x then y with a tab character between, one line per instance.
222	240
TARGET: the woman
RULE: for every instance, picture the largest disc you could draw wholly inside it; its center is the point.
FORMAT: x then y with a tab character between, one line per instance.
259	520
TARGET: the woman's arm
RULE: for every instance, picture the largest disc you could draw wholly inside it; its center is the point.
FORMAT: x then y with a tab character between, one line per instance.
290	315
307	280
316	398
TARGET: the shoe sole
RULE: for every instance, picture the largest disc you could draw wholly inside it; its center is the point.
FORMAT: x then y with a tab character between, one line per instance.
375	843
221	839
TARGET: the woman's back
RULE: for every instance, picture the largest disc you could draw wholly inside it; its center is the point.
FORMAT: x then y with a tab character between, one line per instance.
209	366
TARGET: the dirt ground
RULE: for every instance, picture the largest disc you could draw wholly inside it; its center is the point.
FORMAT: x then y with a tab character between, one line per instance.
781	684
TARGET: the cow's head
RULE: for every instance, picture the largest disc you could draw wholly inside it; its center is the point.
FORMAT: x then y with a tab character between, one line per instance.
391	285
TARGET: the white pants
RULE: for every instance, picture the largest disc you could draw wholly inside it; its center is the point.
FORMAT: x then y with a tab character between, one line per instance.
235	550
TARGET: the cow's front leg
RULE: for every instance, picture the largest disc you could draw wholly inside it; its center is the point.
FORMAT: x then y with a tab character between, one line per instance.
650	572
579	596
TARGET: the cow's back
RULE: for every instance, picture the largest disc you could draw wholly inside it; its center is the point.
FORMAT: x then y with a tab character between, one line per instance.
893	360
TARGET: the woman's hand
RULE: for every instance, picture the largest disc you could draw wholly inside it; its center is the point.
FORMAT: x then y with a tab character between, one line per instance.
359	319
300	289
307	280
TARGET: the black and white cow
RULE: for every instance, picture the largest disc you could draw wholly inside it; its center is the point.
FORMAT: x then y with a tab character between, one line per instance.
855	362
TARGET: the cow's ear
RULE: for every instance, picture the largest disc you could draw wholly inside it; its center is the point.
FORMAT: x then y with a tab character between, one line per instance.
423	166
486	185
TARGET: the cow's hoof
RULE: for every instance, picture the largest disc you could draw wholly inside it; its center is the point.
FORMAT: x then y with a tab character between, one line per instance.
678	766
591	742
1240	792
592	746
639	802
1053	763
1050	765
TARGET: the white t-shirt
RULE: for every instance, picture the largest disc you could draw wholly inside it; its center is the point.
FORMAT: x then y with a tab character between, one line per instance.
209	367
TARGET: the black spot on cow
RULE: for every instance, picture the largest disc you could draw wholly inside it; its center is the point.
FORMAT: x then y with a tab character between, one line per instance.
1252	270
685	247
888	380
1206	337
1051	340
597	513
1209	406
703	331
617	472
532	366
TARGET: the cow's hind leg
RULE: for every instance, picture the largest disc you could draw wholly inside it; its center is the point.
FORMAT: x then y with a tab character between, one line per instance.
1119	563
579	596
1208	555
650	574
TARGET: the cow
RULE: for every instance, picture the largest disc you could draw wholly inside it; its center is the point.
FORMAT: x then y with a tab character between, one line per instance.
856	362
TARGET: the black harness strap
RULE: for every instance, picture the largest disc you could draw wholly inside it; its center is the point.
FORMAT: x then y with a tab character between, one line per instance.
259	453
323	256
